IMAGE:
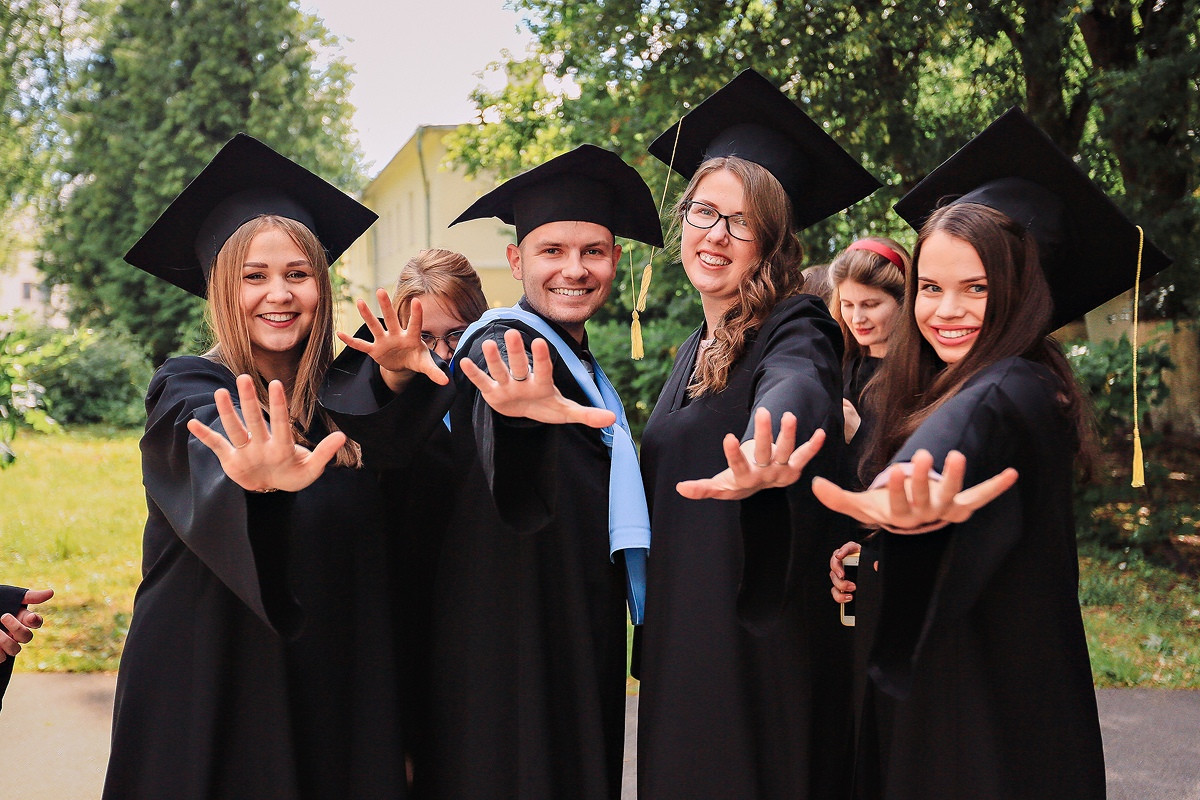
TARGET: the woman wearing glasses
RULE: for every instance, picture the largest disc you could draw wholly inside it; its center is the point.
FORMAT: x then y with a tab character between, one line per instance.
741	655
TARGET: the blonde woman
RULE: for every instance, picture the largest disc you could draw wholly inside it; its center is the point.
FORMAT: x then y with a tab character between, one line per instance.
229	684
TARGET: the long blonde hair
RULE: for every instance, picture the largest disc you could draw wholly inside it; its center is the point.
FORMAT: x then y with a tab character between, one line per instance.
227	320
776	275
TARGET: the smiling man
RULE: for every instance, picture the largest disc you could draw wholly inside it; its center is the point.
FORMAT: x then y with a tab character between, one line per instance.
546	529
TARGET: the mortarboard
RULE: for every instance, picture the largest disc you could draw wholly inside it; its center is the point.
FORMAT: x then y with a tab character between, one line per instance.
587	184
751	119
1087	247
246	179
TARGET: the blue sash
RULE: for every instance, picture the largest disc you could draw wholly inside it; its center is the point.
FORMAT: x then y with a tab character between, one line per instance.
628	515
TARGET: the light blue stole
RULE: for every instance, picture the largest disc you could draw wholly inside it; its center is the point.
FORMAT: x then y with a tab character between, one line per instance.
628	515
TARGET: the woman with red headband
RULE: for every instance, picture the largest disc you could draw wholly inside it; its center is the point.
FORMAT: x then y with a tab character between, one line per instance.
868	280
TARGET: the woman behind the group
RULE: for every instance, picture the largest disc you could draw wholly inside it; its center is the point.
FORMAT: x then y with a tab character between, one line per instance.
868	281
230	685
741	695
451	298
979	682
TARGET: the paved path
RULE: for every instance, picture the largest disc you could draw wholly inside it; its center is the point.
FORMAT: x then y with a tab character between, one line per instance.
55	729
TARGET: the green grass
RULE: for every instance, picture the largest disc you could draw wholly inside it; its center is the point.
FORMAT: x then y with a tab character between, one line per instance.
72	509
1142	621
71	514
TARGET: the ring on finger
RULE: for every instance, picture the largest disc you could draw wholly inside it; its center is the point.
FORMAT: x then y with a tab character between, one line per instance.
249	439
761	466
522	378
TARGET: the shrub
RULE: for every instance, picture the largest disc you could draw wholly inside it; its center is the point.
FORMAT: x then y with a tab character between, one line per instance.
1108	510
93	376
21	397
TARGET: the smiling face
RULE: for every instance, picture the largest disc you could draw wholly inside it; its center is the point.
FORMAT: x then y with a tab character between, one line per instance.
715	262
951	295
870	312
278	295
567	270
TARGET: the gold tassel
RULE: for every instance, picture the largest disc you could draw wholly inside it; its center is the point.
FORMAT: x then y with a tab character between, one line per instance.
636	351
1139	470
1139	467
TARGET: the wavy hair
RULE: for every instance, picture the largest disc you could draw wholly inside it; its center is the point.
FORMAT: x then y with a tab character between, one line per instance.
227	320
775	276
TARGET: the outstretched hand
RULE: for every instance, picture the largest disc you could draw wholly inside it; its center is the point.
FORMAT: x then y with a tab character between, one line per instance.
515	390
761	463
261	456
397	350
17	629
916	503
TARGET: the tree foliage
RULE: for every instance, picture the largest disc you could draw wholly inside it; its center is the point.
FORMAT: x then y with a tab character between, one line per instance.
900	84
167	85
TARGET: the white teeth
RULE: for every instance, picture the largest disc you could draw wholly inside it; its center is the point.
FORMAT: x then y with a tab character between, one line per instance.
278	317
714	260
957	334
571	292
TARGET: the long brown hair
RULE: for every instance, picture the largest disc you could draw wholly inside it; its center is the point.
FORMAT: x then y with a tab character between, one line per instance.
445	274
227	320
870	269
913	382
775	276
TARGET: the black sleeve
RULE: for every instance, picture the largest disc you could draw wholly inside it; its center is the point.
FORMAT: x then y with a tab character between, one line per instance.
10	603
516	454
241	537
391	429
784	530
931	579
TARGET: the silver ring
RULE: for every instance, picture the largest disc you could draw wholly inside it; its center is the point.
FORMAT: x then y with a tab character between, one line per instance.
781	463
515	378
249	439
762	466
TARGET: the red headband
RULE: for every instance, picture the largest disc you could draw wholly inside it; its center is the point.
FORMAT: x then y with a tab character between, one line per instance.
880	249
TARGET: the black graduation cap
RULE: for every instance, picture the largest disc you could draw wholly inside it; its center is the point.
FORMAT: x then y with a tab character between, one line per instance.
1087	247
750	118
246	179
588	184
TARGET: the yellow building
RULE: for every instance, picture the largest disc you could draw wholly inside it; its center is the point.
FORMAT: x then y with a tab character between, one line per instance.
416	198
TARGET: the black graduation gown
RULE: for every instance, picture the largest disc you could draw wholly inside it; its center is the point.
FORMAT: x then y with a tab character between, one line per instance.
260	660
528	666
855	375
756	707
10	603
980	685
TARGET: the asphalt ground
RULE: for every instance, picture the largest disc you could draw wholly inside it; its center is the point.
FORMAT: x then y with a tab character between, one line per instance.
55	731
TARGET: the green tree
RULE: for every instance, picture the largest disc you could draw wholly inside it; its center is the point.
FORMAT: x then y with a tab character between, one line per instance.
167	85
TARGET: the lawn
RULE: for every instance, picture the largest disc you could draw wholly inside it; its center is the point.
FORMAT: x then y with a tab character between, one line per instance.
72	508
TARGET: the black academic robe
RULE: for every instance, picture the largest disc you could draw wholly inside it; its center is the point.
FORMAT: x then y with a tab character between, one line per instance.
261	655
856	373
528	661
745	691
979	681
10	603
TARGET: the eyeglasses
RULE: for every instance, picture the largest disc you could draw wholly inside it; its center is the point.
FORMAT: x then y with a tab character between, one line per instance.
452	338
703	216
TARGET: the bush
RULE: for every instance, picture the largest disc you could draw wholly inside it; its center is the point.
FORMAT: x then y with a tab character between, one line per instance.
93	376
1108	510
21	397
